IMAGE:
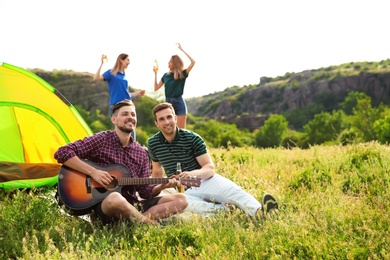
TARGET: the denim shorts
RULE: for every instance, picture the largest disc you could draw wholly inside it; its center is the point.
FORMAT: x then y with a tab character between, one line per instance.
178	104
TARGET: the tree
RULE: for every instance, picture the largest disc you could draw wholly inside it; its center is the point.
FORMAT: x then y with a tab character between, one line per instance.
272	132
231	139
325	127
364	117
210	131
351	100
382	127
144	106
294	138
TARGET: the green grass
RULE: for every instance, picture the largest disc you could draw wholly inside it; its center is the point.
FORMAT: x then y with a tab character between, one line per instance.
334	204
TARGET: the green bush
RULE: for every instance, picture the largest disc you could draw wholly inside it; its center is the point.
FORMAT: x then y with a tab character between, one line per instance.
272	132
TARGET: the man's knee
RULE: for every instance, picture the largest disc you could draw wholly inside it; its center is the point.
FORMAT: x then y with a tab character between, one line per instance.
182	201
114	200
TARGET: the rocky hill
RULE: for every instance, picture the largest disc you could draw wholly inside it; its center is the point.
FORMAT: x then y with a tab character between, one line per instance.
248	106
324	89
79	88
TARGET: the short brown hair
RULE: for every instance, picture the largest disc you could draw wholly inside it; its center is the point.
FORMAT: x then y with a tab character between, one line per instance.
120	104
160	107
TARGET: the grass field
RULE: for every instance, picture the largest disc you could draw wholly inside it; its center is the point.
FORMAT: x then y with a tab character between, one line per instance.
334	204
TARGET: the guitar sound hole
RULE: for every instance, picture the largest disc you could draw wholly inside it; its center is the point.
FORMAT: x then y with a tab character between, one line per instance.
113	184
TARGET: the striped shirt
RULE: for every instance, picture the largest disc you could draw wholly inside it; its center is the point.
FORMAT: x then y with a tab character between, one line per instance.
104	149
186	146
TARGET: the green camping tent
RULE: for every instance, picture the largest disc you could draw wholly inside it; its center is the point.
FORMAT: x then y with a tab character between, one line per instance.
35	120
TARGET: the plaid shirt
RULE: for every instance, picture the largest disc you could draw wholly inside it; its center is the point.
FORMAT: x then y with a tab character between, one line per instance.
104	149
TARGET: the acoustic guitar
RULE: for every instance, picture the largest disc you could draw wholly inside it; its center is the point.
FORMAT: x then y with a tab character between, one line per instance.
79	192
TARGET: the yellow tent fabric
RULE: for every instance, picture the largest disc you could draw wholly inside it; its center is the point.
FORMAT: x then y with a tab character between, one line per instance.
35	120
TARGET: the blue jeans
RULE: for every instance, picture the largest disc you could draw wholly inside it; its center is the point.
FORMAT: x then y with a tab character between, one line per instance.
179	105
212	192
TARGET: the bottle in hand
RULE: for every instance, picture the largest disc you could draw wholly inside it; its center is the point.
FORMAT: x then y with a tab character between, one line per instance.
105	59
178	171
155	66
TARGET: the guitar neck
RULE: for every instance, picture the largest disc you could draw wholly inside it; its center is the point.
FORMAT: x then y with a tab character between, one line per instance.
142	181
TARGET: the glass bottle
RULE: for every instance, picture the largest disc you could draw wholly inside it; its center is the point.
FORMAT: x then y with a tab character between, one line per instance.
178	171
105	59
155	65
178	168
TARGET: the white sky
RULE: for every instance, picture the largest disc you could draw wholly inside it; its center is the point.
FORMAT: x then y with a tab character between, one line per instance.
232	42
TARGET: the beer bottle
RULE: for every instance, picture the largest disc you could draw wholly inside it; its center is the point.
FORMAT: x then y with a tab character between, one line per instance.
178	168
178	171
155	66
105	59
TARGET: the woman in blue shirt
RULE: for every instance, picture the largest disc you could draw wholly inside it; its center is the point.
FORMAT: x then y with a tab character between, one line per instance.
118	85
174	81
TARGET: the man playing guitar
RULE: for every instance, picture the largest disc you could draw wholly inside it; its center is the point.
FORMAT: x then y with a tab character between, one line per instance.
117	147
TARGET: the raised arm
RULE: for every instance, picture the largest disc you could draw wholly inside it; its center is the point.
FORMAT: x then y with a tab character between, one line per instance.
98	76
189	68
157	86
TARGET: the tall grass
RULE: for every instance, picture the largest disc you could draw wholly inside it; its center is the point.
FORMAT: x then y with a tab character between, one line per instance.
334	204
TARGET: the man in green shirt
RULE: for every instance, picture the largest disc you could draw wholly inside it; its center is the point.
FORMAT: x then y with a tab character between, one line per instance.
172	145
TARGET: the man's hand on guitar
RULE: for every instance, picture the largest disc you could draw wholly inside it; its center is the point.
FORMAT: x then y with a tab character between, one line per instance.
172	183
184	175
102	177
180	187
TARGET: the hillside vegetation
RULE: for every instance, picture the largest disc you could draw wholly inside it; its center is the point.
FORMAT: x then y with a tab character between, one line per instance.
339	104
308	92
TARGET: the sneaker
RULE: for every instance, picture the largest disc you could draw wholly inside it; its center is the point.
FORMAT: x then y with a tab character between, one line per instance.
269	203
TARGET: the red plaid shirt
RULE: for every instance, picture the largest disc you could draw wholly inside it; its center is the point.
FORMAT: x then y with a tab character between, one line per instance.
105	148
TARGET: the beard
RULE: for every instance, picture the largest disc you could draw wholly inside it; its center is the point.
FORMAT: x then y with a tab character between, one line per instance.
125	129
